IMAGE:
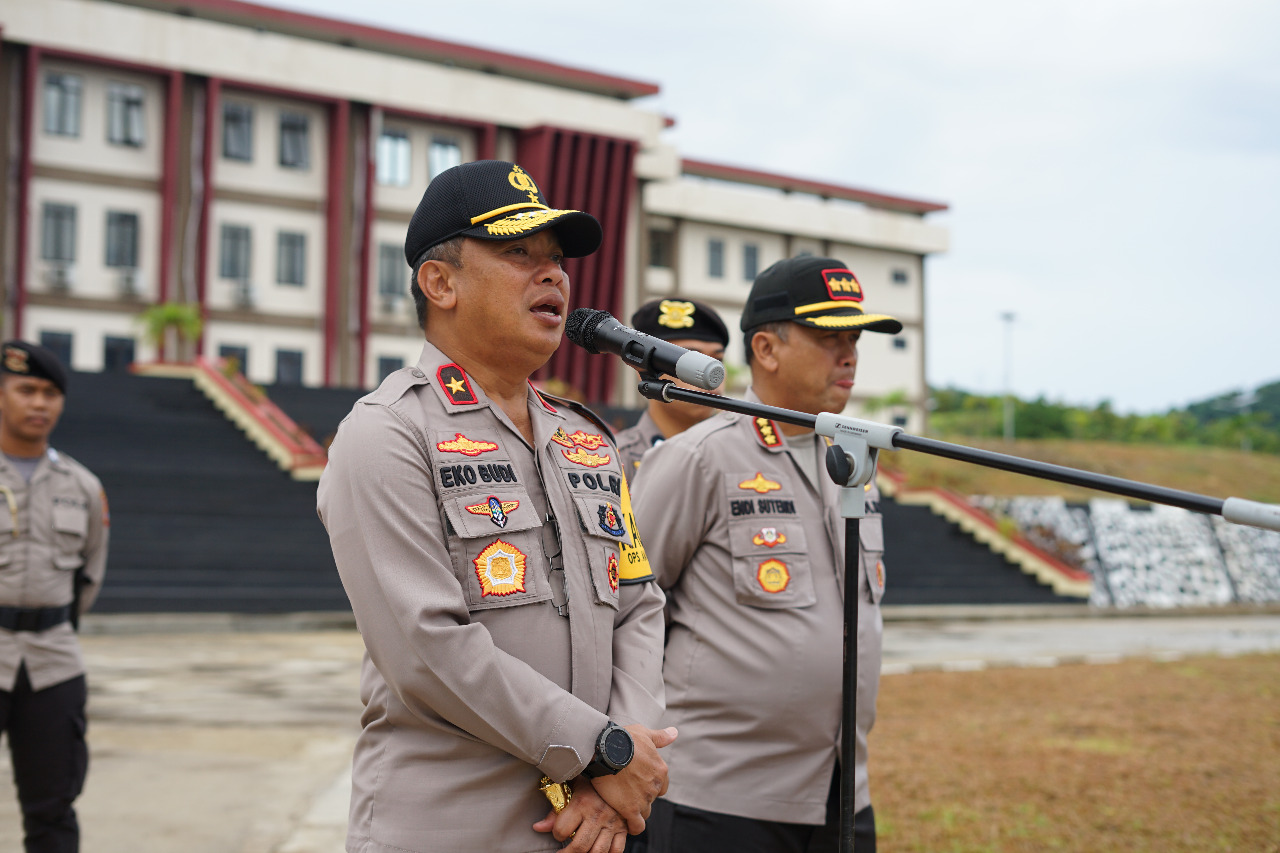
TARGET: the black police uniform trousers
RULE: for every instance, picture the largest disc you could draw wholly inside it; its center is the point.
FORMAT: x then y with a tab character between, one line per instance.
46	731
673	828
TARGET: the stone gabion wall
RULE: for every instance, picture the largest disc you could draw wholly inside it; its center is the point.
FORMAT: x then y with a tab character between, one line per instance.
1157	557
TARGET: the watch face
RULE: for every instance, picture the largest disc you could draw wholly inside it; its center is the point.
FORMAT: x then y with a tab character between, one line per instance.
618	747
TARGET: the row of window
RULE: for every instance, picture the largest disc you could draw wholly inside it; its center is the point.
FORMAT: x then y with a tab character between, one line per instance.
235	255
58	236
63	94
395	154
237	136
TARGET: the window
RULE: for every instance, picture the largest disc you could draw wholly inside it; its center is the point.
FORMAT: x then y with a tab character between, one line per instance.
388	365
899	343
124	114
391	269
288	367
62	104
661	249
237	132
234	252
715	258
445	153
117	354
295	141
59	343
900	276
58	233
900	420
750	261
122	239
240	354
393	158
291	258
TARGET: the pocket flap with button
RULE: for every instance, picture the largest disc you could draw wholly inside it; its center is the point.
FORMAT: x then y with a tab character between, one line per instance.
602	516
70	519
486	514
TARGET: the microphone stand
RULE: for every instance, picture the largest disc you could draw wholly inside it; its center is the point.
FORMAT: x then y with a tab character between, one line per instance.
851	463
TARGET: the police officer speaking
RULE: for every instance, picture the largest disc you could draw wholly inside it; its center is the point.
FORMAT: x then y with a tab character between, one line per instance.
53	554
745	534
484	535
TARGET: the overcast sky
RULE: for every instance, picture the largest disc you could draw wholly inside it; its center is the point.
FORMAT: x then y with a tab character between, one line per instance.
1112	166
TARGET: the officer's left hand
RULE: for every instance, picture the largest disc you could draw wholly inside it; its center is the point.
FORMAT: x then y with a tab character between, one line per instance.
589	823
633	789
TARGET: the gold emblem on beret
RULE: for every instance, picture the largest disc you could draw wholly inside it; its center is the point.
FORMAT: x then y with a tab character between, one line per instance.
16	360
520	179
675	315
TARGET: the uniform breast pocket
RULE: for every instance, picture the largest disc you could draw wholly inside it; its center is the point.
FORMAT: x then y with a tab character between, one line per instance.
496	548
770	566
602	520
70	526
871	536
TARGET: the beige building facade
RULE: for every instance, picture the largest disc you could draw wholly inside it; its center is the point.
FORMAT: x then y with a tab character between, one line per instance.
263	165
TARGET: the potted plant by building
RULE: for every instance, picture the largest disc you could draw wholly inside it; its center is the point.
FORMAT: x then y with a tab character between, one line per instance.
173	329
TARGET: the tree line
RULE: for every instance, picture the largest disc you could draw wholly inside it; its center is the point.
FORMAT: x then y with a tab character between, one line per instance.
1238	419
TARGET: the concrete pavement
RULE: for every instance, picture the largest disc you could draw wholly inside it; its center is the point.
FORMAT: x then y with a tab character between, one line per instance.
220	734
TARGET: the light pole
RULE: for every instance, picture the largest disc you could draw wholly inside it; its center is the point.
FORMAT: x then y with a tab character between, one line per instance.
1008	317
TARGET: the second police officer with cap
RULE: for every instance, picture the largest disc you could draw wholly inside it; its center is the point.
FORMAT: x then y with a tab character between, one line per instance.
53	555
744	533
483	534
685	323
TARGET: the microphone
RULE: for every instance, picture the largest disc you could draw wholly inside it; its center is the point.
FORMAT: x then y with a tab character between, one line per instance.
598	331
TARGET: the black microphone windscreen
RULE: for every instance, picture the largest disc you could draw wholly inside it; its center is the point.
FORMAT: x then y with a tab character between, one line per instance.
580	327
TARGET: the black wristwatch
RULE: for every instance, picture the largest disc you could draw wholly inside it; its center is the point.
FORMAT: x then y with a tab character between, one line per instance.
614	749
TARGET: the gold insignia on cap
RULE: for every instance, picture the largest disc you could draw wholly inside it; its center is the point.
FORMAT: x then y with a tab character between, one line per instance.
523	222
773	576
760	485
500	569
520	179
16	360
675	315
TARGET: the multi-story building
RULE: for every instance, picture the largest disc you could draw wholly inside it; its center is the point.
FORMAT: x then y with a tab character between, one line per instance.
263	165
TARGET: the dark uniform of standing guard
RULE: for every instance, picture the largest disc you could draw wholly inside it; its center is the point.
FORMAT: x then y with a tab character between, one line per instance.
53	554
685	323
745	535
484	535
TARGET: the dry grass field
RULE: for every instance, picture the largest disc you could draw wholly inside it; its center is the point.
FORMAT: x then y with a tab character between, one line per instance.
1140	756
1213	471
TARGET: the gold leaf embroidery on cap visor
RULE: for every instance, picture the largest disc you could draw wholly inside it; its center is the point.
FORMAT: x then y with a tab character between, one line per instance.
524	222
847	321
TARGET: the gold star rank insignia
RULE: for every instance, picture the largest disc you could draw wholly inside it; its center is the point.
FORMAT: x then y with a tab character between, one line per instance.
500	569
767	432
773	576
760	484
455	385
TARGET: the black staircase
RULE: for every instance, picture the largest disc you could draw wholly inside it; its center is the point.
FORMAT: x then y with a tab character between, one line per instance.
201	519
928	560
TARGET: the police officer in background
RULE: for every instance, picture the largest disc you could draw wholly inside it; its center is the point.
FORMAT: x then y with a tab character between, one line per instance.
53	554
484	535
745	535
688	324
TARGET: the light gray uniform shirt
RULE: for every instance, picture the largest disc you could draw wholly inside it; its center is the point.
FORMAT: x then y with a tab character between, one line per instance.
751	555
474	685
49	527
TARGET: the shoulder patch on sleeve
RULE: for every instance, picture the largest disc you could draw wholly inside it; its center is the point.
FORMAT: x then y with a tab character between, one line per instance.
635	562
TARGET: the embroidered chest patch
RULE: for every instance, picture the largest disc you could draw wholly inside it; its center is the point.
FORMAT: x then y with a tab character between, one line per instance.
760	484
613	571
500	569
581	456
769	537
497	510
466	446
773	576
609	521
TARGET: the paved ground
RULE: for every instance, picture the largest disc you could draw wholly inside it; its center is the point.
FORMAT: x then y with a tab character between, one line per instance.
223	735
